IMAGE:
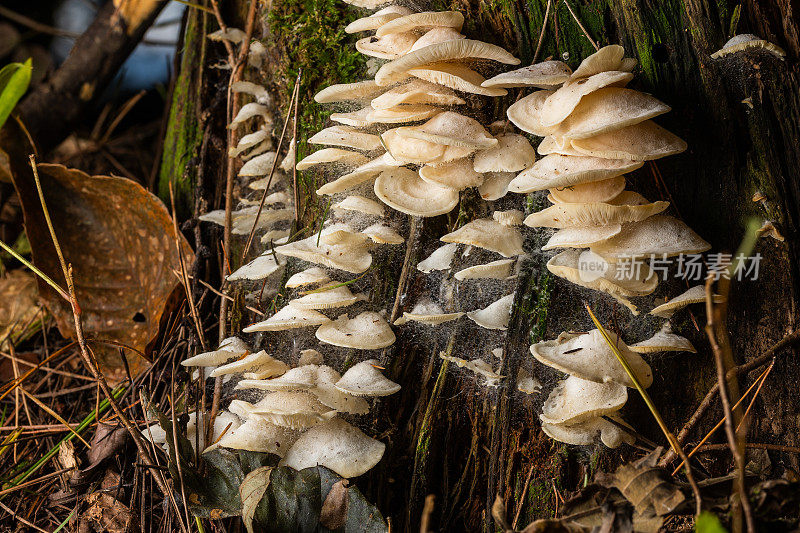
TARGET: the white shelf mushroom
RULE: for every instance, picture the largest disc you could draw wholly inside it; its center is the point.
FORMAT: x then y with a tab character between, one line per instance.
576	400
500	269
440	259
259	435
309	276
255	364
659	235
748	41
423	21
228	349
477	366
348	92
495	316
416	91
334	247
336	445
367	331
332	155
581	237
381	234
490	235
261	267
329	296
512	153
292	409
560	171
364	379
427	312
566	215
694	295
589	432
360	205
544	75
346	137
289	317
377	19
664	340
402	189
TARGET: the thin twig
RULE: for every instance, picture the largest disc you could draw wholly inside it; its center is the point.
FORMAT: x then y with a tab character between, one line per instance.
293	150
541	33
586	33
413	230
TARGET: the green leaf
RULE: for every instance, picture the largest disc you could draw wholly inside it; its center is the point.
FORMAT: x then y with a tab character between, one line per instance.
708	523
14	81
291	503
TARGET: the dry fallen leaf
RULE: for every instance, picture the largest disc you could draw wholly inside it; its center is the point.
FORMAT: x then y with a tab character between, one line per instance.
120	242
645	486
251	491
18	303
136	12
333	514
105	513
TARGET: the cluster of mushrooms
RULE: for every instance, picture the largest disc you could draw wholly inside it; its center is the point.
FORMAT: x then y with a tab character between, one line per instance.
400	143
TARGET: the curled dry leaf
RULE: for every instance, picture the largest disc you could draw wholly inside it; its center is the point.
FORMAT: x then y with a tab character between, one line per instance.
120	242
18	307
333	514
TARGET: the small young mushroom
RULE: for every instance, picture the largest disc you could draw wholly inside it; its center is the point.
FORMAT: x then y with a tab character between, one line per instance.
365	172
377	19
367	331
258	92
512	217
495	185
260	363
260	141
329	296
588	356
478	366
544	75
364	379
512	153
294	379
244	225
248	111
748	41
427	312
289	317
495	316
490	235
607	58
309	276
390	46
402	189
360	205
344	92
332	155
309	356
261	267
346	137
664	341
440	259
228	349
232	35
694	295
576	400
416	91
382	234
500	269
527	383
336	445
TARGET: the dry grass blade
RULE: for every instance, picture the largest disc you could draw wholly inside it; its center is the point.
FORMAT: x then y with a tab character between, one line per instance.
55	415
673	442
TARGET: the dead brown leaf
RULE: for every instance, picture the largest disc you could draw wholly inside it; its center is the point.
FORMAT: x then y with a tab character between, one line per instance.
333	514
647	487
18	303
119	239
135	12
105	513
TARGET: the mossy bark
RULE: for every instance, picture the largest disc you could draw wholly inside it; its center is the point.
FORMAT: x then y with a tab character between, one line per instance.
740	116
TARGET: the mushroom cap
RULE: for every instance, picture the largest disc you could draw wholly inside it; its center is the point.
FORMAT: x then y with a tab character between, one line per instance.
694	295
377	19
360	205
495	316
576	400
258	166
309	356
447	51
382	234
556	171
233	35
416	91
389	46
440	259
229	348
527	383
357	119
581	237
367	331
551	145
268	217
347	137
363	379
402	189
544	75
609	109
366	4
588	356
409	150
595	191
292	409
744	41
336	445
344	92
259	268
664	341
495	185
423	21
566	215
457	174
248	111
512	217
526	113
500	269
512	153
294	379
559	105
401	114
309	276
365	172
490	235
455	76
259	435
451	129
260	137
332	155
259	92
608	58
329	395
350	255
644	141
477	366
289	317
588	432
427	312
436	36
615	280
260	362
660	235
329	296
